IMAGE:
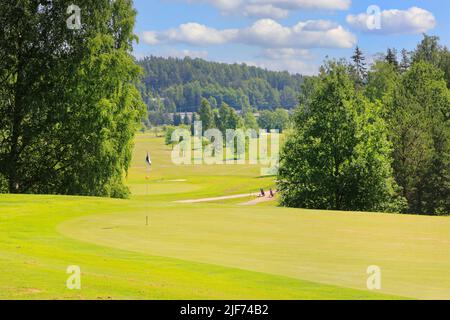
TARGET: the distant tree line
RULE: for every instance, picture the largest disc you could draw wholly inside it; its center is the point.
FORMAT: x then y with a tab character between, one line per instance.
226	118
178	85
373	138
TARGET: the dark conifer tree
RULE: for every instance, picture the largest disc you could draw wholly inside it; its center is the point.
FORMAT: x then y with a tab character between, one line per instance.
391	58
406	61
360	66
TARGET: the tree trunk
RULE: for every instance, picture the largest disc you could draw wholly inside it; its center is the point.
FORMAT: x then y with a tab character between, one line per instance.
16	120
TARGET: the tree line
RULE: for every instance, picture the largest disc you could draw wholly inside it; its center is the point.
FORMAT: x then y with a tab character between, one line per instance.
226	117
373	138
172	85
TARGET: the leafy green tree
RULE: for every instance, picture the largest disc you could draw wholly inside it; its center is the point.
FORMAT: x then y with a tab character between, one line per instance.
428	50
168	135
280	120
206	115
407	103
338	156
266	120
228	119
69	104
274	120
308	89
431	51
382	81
421	136
249	119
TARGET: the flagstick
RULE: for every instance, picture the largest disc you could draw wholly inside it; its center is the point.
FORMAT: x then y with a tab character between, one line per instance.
147	192
148	204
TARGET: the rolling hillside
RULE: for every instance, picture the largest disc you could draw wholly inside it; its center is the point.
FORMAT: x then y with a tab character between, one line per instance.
179	84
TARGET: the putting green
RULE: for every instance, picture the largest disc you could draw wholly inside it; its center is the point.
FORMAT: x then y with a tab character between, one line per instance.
214	250
326	247
34	258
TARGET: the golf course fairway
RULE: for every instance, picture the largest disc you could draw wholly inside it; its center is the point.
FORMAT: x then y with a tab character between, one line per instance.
212	250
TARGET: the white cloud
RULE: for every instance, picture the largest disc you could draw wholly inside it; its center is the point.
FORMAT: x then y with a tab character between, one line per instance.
287	59
264	33
266	10
150	37
300	61
412	21
286	54
195	34
291	65
187	53
273	8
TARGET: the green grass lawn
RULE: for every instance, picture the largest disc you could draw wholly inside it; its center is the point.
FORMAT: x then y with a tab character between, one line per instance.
217	250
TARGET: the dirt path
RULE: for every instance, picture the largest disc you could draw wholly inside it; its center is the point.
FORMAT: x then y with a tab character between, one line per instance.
250	203
218	198
258	201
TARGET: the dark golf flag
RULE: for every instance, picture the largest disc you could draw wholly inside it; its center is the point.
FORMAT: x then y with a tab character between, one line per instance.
148	160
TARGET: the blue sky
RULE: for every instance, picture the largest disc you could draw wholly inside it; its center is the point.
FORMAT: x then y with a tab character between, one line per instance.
293	35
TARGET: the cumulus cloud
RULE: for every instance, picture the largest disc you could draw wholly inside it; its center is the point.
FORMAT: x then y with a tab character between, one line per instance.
412	21
287	54
265	33
291	65
267	10
193	34
300	61
150	37
187	53
273	8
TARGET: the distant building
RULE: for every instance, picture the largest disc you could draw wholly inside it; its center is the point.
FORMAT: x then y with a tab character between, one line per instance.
190	115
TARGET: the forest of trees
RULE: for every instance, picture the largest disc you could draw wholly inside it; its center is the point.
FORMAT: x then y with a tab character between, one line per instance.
373	138
174	85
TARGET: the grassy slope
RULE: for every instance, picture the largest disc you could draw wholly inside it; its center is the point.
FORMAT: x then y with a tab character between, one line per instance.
216	250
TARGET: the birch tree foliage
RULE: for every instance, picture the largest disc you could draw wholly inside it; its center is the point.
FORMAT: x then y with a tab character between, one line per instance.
69	106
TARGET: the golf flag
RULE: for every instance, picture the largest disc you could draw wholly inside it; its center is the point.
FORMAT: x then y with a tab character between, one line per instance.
148	160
